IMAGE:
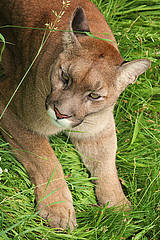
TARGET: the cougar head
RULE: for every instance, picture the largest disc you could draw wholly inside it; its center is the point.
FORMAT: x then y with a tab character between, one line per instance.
88	75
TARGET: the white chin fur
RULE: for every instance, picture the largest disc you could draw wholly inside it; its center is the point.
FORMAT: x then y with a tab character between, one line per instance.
62	123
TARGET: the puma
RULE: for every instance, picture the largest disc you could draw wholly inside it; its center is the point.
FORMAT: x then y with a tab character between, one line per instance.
73	84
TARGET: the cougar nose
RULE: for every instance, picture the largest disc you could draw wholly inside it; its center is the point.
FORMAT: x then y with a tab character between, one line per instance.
60	115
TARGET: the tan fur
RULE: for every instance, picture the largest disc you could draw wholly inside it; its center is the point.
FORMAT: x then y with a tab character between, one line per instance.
93	66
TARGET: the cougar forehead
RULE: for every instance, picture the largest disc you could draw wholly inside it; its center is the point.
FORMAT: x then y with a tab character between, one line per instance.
102	49
92	65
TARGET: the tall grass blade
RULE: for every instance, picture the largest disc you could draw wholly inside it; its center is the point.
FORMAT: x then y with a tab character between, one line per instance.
136	128
3	46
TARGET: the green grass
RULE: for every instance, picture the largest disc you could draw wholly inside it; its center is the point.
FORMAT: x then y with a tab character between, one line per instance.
137	114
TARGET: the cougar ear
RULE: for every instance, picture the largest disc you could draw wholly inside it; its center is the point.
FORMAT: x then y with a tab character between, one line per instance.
128	72
78	26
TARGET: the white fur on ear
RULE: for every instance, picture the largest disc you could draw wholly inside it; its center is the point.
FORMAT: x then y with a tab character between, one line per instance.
129	72
78	25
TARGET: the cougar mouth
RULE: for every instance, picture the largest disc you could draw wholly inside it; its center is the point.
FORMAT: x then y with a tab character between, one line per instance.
60	115
59	119
59	122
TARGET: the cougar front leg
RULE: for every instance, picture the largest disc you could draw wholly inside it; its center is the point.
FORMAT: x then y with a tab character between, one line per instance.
98	154
54	200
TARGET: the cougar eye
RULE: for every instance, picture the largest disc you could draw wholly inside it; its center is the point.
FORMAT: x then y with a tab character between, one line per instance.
94	96
64	77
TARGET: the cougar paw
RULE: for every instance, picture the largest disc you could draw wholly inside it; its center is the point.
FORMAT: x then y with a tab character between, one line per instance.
60	215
